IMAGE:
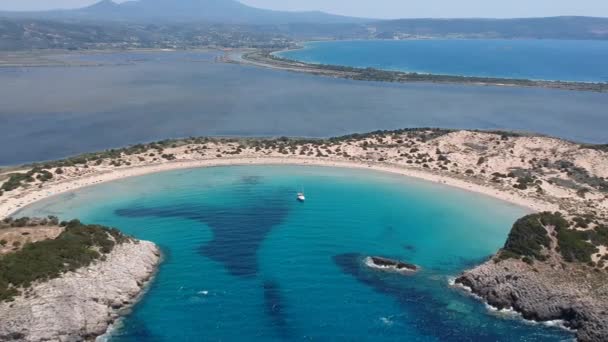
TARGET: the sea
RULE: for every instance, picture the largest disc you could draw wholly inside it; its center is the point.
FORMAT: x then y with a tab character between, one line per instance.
244	261
48	113
556	60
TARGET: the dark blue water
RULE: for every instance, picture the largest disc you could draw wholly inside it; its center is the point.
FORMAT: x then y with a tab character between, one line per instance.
565	60
244	261
49	113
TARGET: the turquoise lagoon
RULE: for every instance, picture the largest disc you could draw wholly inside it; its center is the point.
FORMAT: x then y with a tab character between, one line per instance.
565	60
244	261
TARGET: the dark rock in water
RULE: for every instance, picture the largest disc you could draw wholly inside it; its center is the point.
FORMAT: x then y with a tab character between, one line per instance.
275	308
385	263
432	318
274	302
542	292
410	248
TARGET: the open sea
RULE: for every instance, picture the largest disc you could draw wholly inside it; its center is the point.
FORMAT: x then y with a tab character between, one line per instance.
48	113
244	261
565	60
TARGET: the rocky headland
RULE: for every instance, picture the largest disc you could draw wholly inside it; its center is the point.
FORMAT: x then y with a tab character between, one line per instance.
550	269
80	301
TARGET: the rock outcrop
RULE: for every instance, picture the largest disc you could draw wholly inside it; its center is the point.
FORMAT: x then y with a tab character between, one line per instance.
80	305
544	291
390	264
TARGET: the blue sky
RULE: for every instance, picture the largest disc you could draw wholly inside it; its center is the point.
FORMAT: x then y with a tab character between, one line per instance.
391	8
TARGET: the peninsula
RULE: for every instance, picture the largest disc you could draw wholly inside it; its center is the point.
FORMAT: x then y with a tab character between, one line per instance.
267	58
67	281
559	251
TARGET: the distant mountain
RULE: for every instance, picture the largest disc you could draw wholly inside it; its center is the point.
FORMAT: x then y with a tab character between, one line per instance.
545	28
219	11
305	25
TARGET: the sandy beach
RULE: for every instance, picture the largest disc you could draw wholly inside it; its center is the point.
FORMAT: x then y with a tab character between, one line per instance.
28	197
273	61
538	173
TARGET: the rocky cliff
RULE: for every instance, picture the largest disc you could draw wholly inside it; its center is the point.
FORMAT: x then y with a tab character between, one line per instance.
540	275
83	303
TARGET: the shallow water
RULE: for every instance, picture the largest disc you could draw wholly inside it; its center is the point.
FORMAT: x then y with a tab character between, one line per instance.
565	60
245	261
50	113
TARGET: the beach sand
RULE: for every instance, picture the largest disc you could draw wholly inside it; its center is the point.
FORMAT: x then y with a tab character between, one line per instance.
538	173
27	197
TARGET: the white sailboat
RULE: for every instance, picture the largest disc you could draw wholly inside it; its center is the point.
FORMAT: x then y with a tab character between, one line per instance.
301	197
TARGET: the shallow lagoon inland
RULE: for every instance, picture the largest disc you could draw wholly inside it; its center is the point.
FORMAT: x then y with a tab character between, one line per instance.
53	112
245	261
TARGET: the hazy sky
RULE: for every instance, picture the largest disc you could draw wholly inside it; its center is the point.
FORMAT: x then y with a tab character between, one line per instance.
391	8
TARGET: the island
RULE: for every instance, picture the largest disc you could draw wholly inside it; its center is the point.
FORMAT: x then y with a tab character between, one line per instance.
554	264
67	281
269	59
382	263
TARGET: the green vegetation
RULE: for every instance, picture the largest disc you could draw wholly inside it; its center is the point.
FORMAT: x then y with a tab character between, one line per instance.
371	74
25	221
603	147
573	245
581	175
16	180
524	182
528	235
76	247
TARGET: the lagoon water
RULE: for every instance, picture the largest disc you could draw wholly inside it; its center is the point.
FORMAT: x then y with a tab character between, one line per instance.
54	112
565	60
243	260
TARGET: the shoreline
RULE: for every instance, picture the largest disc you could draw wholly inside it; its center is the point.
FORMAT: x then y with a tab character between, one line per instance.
83	303
115	324
304	45
563	184
32	196
510	312
271	60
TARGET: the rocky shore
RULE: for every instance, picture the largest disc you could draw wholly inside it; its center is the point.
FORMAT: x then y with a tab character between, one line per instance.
535	276
81	305
390	264
543	294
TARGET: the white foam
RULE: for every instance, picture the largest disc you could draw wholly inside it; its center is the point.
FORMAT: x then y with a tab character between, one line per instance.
507	312
204	292
511	313
387	321
452	282
370	263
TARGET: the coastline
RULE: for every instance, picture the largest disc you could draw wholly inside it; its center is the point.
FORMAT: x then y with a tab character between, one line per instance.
304	45
83	304
31	196
115	324
510	312
565	184
270	59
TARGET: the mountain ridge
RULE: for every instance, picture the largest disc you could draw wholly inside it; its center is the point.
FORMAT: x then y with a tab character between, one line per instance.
220	11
